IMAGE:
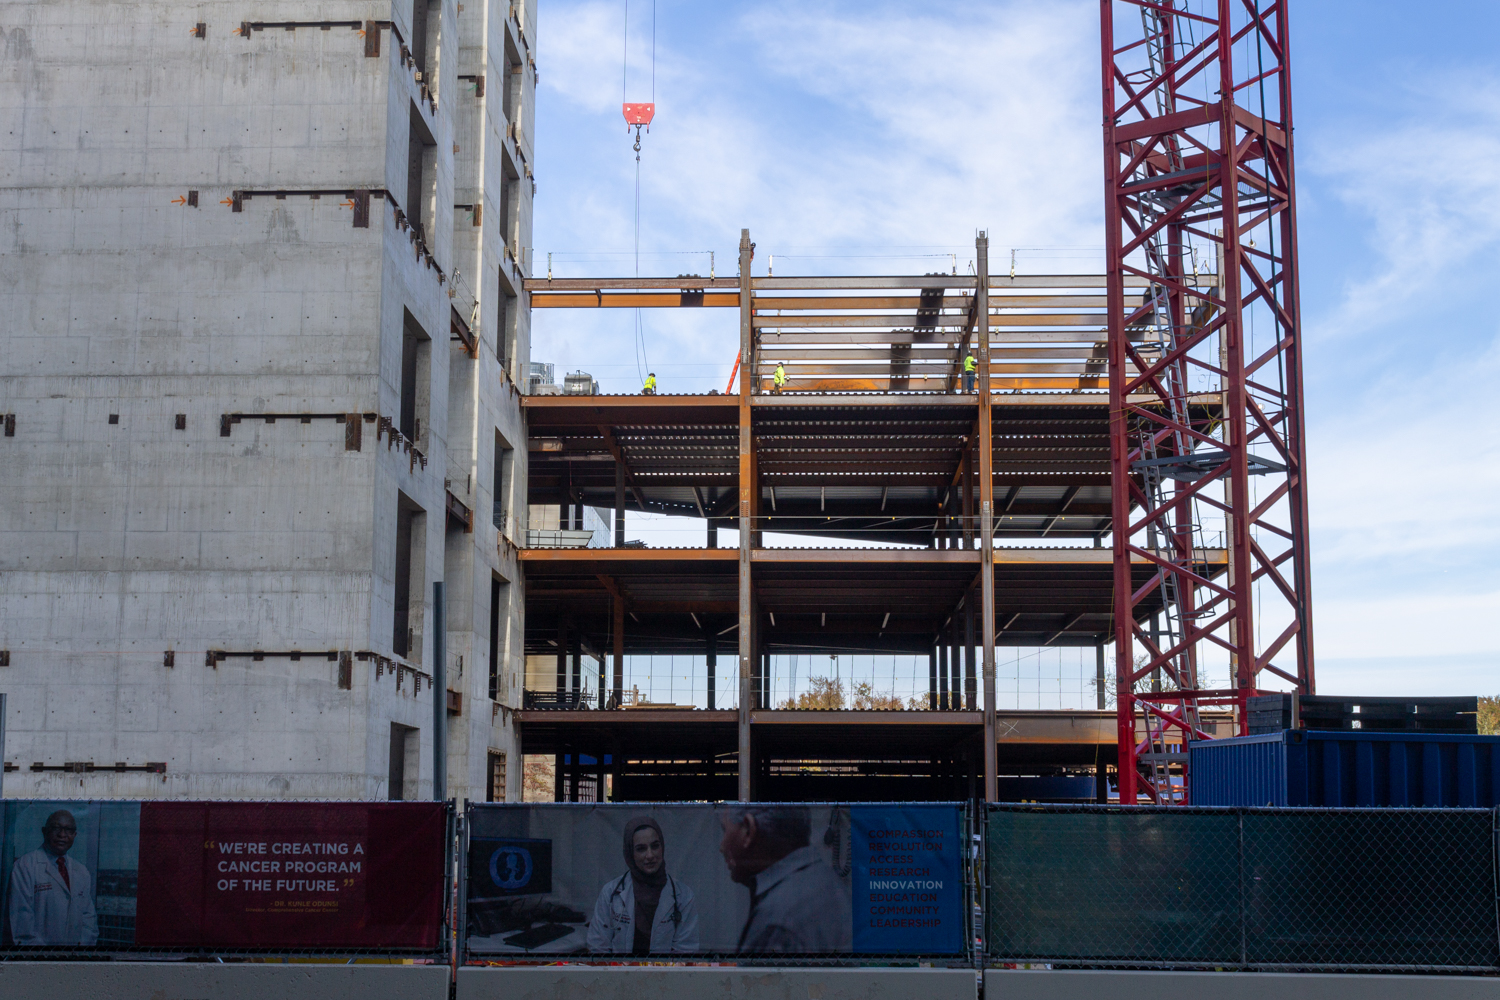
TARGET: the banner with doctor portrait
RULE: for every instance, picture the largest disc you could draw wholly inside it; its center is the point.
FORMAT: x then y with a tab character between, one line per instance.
661	881
68	873
111	875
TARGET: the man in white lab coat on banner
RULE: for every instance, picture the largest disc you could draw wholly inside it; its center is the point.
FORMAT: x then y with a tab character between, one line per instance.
51	895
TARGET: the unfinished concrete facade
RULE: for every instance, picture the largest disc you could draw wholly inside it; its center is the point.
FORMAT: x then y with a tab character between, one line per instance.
260	282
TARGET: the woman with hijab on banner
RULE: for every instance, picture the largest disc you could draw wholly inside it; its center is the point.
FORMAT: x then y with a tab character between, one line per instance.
646	910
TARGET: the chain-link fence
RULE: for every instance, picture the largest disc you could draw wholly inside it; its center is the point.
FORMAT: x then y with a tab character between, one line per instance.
1314	889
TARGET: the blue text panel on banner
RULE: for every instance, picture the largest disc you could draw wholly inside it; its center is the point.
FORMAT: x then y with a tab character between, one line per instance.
908	879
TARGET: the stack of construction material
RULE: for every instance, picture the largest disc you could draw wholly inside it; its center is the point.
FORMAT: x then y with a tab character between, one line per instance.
580	384
1276	712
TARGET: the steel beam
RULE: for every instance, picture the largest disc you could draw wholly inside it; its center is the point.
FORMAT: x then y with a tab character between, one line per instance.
534	285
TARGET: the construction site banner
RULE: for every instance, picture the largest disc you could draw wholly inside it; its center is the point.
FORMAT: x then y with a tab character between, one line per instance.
732	879
315	876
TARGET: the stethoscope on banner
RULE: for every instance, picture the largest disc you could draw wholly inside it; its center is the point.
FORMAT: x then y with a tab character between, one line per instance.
619	893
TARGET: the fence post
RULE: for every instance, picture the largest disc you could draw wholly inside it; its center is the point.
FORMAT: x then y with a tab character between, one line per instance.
457	931
1240	871
979	910
1494	850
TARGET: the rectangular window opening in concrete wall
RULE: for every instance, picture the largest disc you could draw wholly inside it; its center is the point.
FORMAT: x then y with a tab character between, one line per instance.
505	457
426	39
416	378
421	175
507	219
495	785
401	783
411	526
497	601
510	331
512	98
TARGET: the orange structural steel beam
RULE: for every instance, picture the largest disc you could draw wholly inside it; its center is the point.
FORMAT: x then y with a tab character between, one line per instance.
633	300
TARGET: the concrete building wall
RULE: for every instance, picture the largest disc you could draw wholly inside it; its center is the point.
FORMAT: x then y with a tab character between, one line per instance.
134	530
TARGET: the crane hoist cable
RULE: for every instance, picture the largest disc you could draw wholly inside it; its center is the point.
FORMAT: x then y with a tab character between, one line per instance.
638	116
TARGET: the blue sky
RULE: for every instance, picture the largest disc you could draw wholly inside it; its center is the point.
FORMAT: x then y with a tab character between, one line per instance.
877	137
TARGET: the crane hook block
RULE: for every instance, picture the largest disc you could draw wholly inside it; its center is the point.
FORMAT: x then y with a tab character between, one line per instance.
639	114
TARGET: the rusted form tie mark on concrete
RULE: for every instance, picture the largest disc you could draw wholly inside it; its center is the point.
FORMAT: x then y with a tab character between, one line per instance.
398	667
353	431
396	439
89	767
345	659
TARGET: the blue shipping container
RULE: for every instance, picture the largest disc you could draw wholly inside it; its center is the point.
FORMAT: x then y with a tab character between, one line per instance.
1346	768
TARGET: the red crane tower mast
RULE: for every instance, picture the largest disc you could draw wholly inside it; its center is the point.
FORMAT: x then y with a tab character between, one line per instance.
1205	372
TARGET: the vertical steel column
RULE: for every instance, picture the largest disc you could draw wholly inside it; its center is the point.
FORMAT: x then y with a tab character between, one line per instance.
1301	573
748	505
932	679
562	656
966	471
1233	332
1099	692
618	630
1119	442
711	657
1199	167
619	504
942	677
955	664
970	637
986	509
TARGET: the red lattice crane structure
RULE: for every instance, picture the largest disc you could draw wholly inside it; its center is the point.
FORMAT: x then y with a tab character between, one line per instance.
1207	439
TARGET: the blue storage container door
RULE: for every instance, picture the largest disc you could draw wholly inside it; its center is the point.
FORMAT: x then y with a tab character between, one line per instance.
1245	771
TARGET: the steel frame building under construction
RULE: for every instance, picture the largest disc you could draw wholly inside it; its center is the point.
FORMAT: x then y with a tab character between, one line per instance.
1128	471
1144	397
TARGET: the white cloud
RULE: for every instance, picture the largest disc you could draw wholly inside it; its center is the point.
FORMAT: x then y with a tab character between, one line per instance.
1411	472
1429	186
579	55
1420	675
1404	462
818	131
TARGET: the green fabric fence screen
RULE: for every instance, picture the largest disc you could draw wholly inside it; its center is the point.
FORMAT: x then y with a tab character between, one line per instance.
1399	889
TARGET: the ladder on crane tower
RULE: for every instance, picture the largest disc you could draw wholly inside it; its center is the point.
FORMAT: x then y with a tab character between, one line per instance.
1167	333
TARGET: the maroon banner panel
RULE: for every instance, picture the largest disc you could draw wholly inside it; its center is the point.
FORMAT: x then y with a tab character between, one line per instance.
291	874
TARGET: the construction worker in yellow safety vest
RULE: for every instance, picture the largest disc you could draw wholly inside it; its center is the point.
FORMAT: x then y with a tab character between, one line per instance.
779	379
969	369
650	389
